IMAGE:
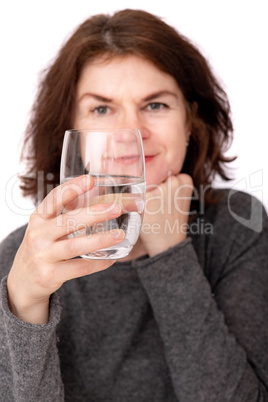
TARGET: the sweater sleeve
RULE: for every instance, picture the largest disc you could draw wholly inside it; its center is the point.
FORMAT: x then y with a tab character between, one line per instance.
215	332
29	361
29	364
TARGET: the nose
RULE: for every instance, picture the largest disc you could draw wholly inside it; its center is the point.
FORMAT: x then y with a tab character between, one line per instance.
133	119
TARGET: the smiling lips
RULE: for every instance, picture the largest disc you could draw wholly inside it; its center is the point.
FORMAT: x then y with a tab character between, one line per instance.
130	159
148	158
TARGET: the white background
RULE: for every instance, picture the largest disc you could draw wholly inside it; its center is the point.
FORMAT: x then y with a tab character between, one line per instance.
232	34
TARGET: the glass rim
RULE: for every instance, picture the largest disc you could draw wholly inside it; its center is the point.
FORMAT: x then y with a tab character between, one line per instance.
102	130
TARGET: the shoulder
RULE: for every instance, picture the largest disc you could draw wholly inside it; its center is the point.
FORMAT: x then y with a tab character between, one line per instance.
238	210
13	239
235	235
239	223
8	249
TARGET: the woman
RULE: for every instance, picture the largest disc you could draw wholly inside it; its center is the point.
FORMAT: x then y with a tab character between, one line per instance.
183	317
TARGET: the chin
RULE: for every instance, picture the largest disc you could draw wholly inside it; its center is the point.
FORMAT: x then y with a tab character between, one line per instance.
156	178
154	181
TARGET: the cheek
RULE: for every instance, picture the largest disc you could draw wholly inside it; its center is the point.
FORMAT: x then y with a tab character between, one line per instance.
169	163
160	171
176	159
156	175
175	154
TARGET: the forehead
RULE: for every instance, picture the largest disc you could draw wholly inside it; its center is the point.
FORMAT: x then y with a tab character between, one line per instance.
124	72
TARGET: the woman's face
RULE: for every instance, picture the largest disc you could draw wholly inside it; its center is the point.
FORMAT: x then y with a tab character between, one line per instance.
130	92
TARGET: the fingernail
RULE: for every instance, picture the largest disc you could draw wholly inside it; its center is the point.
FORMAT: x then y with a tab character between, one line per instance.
116	209
118	234
85	181
140	206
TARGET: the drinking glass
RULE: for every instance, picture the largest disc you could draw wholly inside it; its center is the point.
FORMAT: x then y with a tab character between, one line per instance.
114	158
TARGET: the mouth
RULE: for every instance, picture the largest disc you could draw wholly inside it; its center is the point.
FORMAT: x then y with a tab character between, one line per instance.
124	160
149	158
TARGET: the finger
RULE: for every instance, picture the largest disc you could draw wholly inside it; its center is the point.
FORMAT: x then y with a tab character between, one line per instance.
129	202
77	268
183	183
183	194
73	221
185	179
60	196
71	248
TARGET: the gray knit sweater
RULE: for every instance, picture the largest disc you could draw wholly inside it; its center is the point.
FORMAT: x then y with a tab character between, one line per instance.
189	325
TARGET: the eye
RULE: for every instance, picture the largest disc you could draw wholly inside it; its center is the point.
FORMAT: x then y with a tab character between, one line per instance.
156	106
100	110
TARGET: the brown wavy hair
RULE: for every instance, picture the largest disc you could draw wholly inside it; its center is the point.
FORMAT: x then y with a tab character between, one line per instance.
128	32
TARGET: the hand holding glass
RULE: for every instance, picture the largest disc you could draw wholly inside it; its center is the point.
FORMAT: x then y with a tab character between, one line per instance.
114	158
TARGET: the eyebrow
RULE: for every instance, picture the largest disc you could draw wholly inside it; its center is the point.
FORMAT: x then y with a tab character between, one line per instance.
159	94
148	98
95	96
